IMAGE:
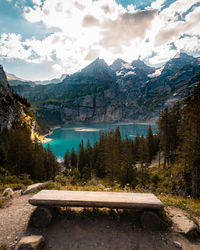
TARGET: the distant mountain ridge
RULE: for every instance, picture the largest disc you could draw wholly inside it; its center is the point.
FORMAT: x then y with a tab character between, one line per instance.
15	80
119	92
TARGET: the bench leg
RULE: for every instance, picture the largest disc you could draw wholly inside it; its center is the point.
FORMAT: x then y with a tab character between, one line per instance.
150	220
41	217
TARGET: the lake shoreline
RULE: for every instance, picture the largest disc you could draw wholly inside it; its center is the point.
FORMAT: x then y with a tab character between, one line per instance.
46	140
69	136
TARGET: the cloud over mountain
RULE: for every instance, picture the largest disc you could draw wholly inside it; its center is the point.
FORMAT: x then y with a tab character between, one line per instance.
76	31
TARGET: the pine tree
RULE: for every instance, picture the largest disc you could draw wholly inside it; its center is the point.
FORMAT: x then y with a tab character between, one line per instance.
51	164
38	162
143	159
150	145
3	156
135	150
73	159
98	157
67	159
189	146
127	173
81	158
164	130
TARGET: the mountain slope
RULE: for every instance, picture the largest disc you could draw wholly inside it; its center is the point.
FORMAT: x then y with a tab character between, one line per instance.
10	109
120	92
14	109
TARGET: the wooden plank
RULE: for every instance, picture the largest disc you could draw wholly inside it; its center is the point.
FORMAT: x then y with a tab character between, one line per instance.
96	199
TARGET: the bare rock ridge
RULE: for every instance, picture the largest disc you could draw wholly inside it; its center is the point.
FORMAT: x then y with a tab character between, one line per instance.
10	109
119	92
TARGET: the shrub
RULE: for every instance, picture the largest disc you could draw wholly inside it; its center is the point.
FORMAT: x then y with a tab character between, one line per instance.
76	178
25	179
12	179
62	179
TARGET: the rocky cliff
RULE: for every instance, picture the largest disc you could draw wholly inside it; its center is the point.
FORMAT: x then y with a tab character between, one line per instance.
119	92
10	108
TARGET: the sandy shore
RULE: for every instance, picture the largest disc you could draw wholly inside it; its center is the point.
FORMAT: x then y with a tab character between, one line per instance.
46	140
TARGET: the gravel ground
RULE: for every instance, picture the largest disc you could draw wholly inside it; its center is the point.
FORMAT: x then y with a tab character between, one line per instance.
14	219
84	233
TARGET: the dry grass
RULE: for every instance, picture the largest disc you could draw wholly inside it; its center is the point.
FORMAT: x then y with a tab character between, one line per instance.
190	205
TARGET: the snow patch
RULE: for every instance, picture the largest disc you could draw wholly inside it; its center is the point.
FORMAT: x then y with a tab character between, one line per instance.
129	73
156	73
119	73
127	66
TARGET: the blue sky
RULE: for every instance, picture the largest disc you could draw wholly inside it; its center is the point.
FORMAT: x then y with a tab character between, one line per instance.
42	39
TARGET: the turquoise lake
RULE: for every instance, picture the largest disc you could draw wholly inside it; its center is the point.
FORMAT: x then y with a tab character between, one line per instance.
71	135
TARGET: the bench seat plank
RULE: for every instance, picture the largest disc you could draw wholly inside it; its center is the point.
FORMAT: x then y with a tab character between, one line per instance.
123	200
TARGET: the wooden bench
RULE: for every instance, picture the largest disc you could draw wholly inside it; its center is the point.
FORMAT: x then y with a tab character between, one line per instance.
120	200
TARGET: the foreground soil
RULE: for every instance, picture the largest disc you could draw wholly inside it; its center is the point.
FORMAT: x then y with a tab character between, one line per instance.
14	219
84	233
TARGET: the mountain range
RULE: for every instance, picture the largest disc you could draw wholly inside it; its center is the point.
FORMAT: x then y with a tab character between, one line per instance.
119	92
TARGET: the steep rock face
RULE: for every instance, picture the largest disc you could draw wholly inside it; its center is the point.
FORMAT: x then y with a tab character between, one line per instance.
118	64
120	92
10	109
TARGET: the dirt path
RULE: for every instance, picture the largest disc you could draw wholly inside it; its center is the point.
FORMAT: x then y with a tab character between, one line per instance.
85	233
14	219
104	234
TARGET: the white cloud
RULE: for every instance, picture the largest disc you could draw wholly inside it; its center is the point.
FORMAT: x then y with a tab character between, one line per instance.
189	44
11	46
89	29
37	2
178	28
178	7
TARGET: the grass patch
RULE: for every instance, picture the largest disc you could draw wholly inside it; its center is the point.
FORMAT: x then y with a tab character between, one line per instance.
190	205
50	185
92	187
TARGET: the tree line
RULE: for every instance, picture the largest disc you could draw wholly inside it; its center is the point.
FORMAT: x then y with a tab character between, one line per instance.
114	158
179	134
20	155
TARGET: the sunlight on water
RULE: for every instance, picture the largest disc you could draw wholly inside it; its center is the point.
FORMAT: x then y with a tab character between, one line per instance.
86	129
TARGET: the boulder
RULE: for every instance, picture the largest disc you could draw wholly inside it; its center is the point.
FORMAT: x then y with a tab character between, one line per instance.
177	244
150	220
41	217
181	223
32	188
8	192
34	242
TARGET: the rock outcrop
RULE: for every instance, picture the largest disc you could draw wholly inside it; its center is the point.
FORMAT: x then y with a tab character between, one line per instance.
8	192
32	188
10	109
34	242
181	222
